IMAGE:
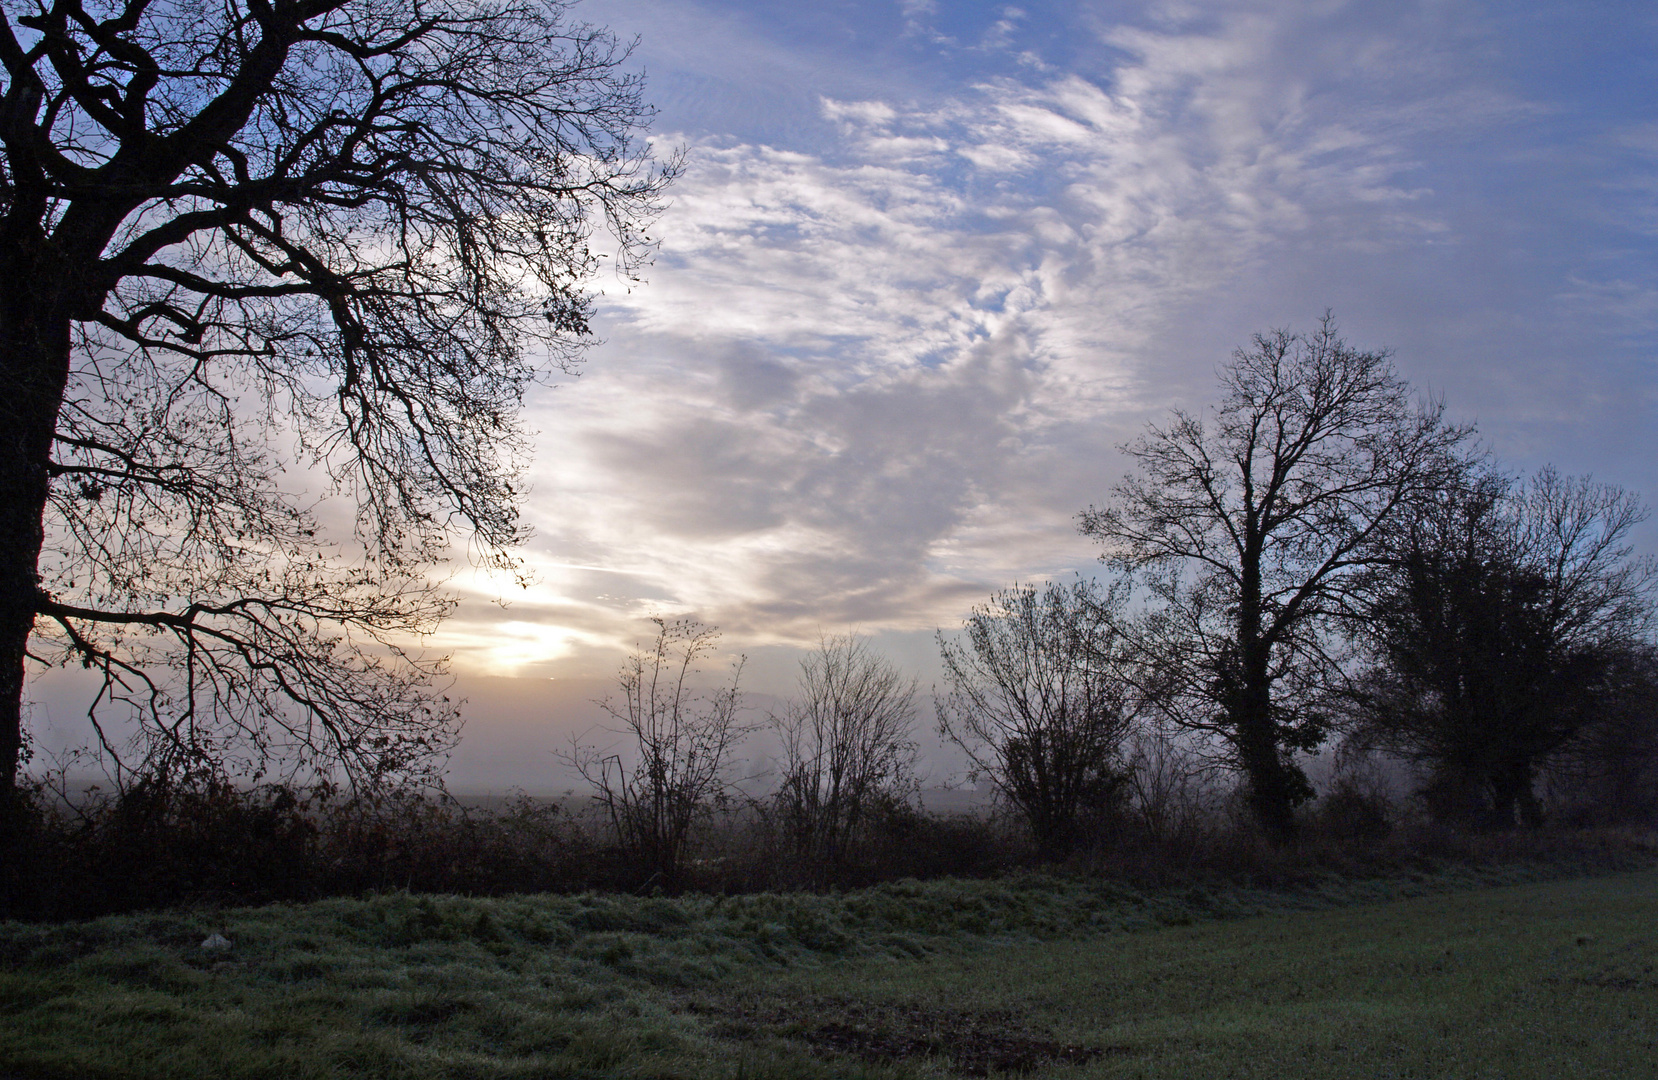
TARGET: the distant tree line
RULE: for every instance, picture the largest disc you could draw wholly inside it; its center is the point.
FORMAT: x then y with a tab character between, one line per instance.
1319	563
1319	559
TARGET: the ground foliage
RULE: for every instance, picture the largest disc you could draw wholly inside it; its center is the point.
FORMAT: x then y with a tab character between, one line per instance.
903	979
163	845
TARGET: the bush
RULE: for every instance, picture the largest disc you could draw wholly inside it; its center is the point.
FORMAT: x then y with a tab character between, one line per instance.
163	845
159	843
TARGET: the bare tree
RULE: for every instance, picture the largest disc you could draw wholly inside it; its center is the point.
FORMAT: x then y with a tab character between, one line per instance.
1040	699
1256	528
256	245
681	739
1513	619
846	744
1169	785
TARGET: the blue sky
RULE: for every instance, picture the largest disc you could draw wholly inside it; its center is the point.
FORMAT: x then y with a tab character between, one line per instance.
930	264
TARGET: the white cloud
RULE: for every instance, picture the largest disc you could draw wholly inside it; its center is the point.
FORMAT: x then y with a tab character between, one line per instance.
865	385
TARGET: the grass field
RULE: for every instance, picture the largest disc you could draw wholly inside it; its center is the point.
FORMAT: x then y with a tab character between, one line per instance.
1043	977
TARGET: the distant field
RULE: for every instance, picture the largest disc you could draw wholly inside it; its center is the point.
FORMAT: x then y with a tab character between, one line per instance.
1042	977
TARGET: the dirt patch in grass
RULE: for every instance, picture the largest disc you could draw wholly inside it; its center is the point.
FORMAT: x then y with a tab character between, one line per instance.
1630	967
975	1043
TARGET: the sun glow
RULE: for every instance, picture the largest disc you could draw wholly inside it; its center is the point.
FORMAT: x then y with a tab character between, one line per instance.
518	645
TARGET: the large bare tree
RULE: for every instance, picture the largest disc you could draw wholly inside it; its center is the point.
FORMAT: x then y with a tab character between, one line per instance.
1255	524
276	276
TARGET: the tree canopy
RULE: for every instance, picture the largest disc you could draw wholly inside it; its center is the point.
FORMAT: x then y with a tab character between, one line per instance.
1511	619
1256	524
265	259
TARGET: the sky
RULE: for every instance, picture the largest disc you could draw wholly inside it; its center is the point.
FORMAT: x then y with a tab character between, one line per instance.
931	263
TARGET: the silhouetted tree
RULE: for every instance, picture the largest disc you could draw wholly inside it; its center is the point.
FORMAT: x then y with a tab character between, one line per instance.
1254	528
258	245
680	738
846	744
1511	621
1038	697
1609	771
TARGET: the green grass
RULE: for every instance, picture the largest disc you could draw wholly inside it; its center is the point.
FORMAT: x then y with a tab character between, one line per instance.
1051	977
1552	980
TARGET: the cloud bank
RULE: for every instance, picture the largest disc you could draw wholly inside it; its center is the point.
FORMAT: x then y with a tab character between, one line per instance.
876	373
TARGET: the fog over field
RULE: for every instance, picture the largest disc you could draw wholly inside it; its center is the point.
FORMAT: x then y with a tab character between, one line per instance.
930	263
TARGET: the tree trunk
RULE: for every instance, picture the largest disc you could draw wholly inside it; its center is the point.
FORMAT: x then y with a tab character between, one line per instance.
1514	797
1272	787
34	367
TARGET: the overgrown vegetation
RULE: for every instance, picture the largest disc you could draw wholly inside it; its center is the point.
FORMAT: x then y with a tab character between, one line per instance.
1511	624
158	846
